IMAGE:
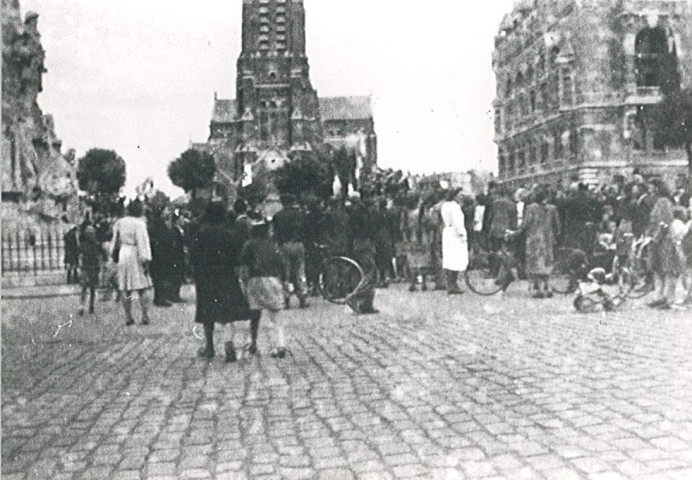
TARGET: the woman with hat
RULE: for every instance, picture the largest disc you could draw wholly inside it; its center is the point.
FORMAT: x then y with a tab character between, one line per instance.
220	299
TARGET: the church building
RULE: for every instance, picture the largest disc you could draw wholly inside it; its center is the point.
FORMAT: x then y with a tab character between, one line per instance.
277	113
576	81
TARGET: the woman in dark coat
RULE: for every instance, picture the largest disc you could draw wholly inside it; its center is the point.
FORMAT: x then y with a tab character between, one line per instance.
215	256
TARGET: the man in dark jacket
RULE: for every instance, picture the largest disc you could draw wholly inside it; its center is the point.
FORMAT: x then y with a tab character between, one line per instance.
289	231
363	222
177	239
503	217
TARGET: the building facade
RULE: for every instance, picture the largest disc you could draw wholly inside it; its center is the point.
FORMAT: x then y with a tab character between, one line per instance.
576	81
277	113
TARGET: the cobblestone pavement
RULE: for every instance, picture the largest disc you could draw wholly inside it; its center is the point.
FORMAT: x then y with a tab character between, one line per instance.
434	387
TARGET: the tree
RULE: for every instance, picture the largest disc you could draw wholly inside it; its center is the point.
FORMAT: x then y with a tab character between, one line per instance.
303	176
192	170
101	172
673	117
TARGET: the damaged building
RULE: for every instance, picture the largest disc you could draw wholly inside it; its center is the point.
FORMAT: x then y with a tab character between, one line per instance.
576	81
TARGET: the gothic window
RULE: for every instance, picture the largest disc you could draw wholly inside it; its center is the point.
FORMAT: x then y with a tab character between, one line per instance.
509	119
521	160
657	142
508	89
540	66
532	101
531	155
498	121
545	152
543	97
638	129
656	59
511	163
566	87
520	81
529	76
557	144
573	142
523	105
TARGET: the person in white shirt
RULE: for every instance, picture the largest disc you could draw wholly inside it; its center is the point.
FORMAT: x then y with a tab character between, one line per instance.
455	254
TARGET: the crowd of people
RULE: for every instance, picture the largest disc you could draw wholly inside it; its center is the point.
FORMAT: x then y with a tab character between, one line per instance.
246	267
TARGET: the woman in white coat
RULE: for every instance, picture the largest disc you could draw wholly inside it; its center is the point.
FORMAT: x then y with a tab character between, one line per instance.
455	251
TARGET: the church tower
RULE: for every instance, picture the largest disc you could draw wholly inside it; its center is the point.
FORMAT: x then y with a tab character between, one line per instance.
276	111
273	85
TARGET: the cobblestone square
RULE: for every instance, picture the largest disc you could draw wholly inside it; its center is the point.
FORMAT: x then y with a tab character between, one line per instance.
435	386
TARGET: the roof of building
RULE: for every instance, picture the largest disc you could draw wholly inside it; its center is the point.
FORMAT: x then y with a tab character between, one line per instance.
345	108
224	111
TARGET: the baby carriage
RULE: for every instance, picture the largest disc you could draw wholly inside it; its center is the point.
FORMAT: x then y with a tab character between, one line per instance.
592	294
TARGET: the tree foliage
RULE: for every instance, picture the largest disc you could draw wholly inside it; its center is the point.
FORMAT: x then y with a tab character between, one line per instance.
192	170
101	172
304	175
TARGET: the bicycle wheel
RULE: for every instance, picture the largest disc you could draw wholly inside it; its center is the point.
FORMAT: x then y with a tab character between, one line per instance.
339	278
487	273
569	263
584	304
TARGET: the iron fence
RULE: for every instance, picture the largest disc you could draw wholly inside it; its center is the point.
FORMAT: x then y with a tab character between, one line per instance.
33	251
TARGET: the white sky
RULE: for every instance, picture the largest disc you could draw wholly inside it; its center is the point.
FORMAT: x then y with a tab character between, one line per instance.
138	76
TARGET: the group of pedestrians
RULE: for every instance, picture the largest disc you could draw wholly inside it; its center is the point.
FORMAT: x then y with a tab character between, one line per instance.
246	267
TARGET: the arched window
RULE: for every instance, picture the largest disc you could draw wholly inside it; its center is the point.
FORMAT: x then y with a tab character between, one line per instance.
508	88
656	59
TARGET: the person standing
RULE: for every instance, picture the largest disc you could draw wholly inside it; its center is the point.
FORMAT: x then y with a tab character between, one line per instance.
503	217
455	253
90	256
177	238
665	261
215	256
289	231
71	260
131	245
386	236
262	271
161	263
540	229
362	221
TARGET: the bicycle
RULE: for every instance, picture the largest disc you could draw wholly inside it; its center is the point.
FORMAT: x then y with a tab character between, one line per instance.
489	272
339	276
633	274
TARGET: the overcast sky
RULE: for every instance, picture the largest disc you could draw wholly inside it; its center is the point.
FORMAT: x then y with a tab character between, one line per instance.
139	76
